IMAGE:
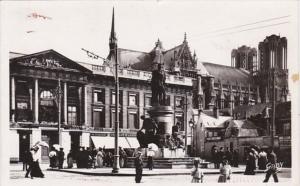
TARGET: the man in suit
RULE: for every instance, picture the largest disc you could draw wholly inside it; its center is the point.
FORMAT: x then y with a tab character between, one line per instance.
138	162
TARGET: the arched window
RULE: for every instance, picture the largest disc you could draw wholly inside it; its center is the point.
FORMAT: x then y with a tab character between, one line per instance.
47	98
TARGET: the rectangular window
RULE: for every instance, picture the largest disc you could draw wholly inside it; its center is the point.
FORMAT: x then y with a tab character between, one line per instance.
99	96
133	120
168	100
112	124
179	102
113	98
72	115
287	129
98	118
179	121
133	99
147	100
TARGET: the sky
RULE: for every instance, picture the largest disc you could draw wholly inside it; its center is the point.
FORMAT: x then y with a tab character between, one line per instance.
213	28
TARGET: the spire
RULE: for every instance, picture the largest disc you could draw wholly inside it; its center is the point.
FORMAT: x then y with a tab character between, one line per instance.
184	40
113	38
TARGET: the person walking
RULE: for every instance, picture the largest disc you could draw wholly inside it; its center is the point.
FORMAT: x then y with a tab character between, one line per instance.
271	167
214	156
225	172
35	169
26	160
29	162
197	174
61	157
138	162
150	155
220	156
70	159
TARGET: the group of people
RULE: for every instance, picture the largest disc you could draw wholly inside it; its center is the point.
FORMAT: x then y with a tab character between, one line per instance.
218	155
57	158
31	163
86	158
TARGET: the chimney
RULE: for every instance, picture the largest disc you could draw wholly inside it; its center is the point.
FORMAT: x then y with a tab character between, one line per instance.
216	112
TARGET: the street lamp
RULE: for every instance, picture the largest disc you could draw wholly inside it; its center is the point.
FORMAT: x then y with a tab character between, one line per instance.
192	123
58	93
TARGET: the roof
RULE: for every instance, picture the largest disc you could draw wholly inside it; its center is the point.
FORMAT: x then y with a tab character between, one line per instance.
65	63
245	128
169	61
283	110
228	74
212	122
15	54
134	59
250	110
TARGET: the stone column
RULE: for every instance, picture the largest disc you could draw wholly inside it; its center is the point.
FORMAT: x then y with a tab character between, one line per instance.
36	101
65	104
85	105
13	99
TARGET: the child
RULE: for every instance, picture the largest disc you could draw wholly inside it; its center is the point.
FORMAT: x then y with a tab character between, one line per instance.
197	174
225	172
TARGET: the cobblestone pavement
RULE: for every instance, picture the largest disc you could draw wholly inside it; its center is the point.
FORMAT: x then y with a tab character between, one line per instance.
61	178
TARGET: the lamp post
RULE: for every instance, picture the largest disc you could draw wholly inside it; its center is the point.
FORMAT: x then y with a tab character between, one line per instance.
58	92
192	123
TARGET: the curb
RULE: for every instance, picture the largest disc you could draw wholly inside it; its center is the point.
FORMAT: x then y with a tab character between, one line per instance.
144	174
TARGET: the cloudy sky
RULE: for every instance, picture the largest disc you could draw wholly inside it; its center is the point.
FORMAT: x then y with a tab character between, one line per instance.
213	28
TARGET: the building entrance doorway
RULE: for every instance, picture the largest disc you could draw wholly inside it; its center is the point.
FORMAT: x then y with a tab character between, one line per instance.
24	145
51	138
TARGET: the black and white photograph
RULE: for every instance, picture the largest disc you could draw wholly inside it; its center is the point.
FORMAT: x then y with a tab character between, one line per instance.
149	92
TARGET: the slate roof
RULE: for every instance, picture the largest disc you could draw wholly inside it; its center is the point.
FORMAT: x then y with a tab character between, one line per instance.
246	128
134	59
228	74
169	56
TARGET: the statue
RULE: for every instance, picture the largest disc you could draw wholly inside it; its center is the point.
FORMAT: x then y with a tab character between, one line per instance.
148	133
158	86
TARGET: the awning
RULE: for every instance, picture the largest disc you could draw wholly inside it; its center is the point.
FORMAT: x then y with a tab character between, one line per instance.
133	142
123	142
100	141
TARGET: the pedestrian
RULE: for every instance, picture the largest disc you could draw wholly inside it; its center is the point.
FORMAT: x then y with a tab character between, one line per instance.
235	158
262	160
29	162
100	157
250	163
225	172
123	157
228	156
220	156
197	174
26	160
80	158
70	159
61	157
214	155
36	170
271	166
138	162
150	155
52	157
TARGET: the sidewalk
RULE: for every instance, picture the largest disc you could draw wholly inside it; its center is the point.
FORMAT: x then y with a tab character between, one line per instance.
107	171
146	172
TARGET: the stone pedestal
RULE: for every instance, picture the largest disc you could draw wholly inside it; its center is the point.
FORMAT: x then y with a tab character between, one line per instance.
163	115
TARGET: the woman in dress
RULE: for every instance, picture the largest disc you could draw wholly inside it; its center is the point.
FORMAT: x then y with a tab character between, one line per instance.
99	159
225	172
36	170
70	159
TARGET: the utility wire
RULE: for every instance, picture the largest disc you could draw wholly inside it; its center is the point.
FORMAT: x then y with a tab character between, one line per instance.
243	25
